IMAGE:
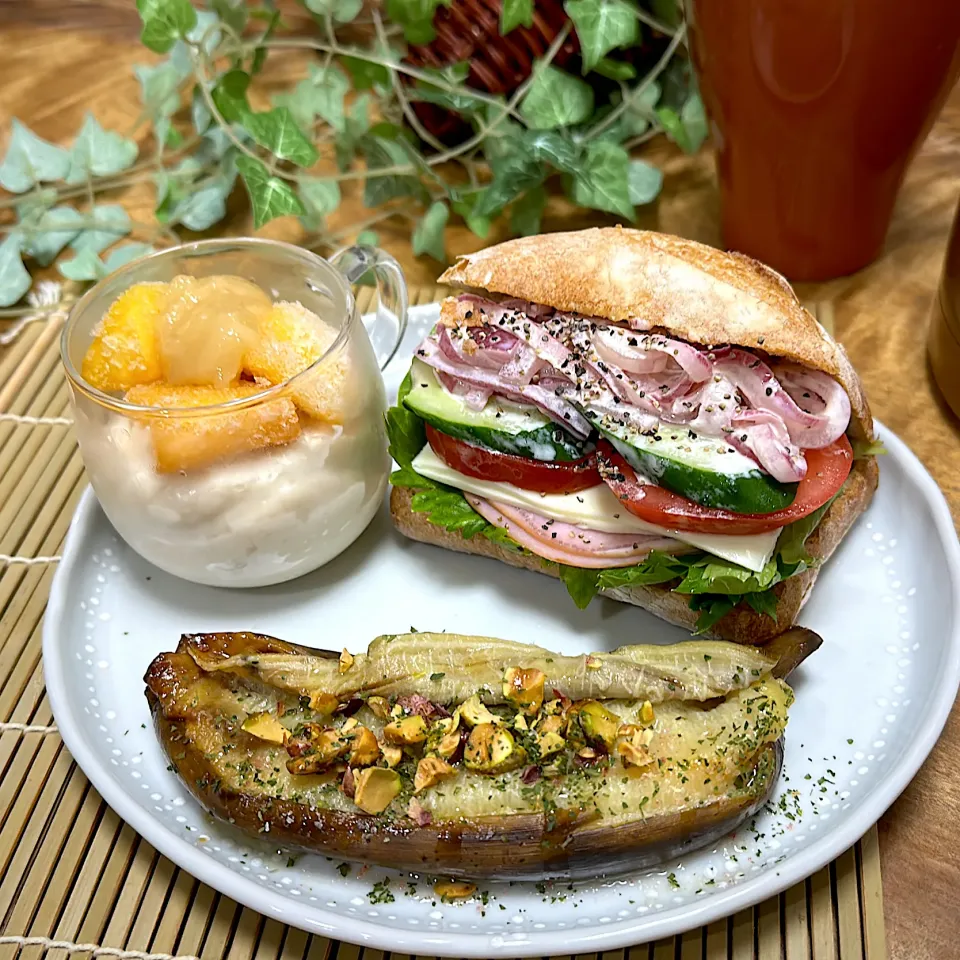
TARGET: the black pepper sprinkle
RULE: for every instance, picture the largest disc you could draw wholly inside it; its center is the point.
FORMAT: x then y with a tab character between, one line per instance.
769	391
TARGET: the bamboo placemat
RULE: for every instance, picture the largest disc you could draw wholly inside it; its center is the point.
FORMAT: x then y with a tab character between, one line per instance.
76	881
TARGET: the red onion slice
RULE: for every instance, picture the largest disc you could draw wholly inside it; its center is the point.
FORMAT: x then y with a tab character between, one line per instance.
648	353
763	436
817	394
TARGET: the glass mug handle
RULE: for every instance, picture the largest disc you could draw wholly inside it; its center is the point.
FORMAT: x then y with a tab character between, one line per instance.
353	263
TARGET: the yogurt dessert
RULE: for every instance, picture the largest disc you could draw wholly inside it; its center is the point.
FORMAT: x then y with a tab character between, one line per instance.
244	444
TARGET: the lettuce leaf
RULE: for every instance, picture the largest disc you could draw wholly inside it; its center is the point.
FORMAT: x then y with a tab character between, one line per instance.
657	568
712	608
868	448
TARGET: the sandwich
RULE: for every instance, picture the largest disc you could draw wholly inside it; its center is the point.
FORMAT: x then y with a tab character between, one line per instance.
476	757
642	416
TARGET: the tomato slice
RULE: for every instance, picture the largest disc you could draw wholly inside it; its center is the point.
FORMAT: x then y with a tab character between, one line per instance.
826	471
567	476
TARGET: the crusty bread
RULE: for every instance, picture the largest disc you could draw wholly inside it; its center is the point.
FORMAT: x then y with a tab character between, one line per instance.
692	291
744	625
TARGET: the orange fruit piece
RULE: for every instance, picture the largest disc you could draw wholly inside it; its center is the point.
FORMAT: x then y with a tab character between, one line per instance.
124	352
192	443
291	339
208	325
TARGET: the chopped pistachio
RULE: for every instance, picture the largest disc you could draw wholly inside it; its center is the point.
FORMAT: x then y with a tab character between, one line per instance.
473	712
412	729
430	771
524	688
265	726
346	660
375	789
454	889
492	749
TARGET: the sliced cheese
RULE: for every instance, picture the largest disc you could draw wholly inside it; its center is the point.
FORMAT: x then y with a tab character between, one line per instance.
598	509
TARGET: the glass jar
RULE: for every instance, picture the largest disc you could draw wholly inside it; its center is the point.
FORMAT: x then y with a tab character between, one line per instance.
943	341
267	486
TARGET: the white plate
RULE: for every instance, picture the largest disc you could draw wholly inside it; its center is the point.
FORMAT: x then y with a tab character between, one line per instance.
870	705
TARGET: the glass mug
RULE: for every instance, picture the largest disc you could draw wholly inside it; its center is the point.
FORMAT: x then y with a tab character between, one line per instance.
259	489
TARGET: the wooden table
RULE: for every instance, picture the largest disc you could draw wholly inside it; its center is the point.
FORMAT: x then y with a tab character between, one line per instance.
49	78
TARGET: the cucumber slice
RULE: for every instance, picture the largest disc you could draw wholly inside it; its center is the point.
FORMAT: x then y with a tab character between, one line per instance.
501	425
702	469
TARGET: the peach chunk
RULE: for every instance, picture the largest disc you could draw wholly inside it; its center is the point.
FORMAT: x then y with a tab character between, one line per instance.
208	325
124	352
191	443
291	338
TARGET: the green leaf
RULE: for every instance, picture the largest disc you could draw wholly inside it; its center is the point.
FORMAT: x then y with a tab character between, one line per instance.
122	255
556	99
329	87
98	153
199	111
160	93
165	22
765	602
526	212
428	233
614	69
644	181
232	12
553	148
793	537
206	32
515	13
202	208
581	584
868	448
230	96
383	153
603	179
277	131
14	279
30	160
366	75
499	535
86	265
712	609
405	431
657	568
479	226
715	575
111	222
601	26
343	11
515	171
688	129
694	120
460	99
416	18
320	197
270	196
367	238
260	54
449	509
44	239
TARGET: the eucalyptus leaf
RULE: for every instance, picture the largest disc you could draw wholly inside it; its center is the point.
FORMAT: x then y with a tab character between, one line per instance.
602	25
270	196
603	180
320	197
556	99
14	279
111	222
527	211
278	132
428	233
122	255
44	239
366	75
165	22
30	160
644	181
515	13
98	153
86	265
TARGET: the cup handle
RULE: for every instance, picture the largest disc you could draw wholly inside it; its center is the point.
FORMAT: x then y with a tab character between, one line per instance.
353	263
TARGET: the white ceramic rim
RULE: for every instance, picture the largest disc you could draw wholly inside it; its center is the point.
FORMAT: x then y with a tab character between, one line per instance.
615	936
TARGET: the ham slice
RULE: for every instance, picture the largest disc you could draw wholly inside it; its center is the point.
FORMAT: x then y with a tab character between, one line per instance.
570	544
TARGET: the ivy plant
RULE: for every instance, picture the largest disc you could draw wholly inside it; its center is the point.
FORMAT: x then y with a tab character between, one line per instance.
352	117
